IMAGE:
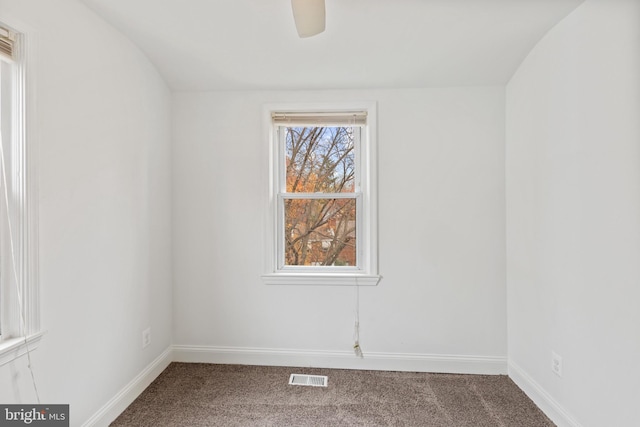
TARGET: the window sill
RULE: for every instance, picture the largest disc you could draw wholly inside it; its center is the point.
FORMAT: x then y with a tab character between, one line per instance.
324	279
14	348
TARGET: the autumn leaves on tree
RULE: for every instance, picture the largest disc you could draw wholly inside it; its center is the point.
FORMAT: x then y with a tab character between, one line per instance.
320	202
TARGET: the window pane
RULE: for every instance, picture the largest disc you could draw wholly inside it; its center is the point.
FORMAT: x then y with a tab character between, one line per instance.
320	159
320	232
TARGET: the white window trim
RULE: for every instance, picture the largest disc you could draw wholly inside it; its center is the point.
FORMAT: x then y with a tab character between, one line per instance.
367	275
19	339
14	348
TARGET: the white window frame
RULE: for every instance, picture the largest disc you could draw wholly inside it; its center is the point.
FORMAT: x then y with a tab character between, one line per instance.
20	330
366	273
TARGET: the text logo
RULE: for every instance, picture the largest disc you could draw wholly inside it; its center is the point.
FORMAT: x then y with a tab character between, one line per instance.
34	415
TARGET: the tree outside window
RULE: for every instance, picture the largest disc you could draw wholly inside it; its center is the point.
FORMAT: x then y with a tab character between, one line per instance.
320	224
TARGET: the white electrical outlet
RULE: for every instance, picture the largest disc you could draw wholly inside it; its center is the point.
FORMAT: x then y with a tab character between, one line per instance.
146	337
556	364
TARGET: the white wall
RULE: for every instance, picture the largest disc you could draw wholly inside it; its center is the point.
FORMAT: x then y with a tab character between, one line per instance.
441	222
103	130
573	216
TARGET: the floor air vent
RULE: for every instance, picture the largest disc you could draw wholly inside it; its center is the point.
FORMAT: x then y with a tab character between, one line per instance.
312	380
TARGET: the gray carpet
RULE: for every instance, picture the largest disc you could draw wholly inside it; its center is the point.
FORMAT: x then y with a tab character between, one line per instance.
197	394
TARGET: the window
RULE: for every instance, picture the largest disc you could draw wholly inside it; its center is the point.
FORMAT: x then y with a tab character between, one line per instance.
322	196
19	310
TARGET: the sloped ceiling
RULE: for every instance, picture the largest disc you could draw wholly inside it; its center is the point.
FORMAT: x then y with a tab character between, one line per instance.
252	44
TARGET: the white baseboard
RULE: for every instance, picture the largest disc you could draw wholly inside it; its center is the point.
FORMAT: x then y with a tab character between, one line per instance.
488	365
130	392
540	397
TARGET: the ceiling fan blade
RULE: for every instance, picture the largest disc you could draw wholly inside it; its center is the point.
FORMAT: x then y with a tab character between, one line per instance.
309	16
